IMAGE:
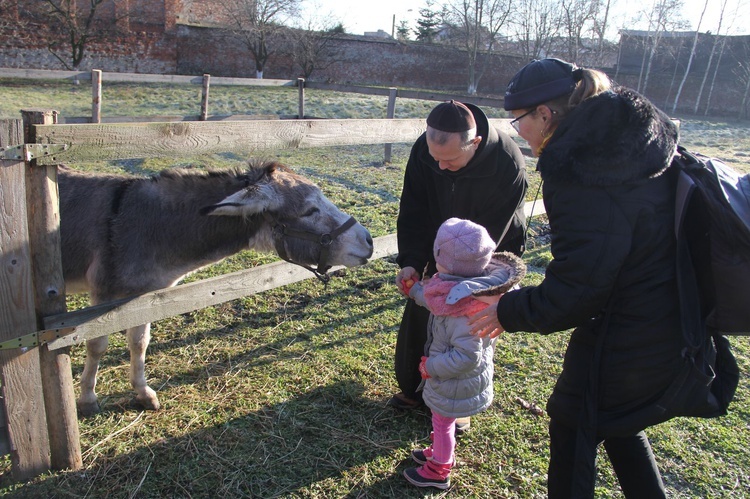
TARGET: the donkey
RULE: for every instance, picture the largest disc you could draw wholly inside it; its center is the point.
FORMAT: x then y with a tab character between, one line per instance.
124	235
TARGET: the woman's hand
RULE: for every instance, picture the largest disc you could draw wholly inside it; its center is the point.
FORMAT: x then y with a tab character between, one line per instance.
485	323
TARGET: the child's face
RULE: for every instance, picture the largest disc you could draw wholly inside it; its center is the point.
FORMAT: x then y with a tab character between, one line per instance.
441	269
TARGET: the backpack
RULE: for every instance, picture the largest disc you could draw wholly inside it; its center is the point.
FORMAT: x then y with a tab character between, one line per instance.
712	230
712	218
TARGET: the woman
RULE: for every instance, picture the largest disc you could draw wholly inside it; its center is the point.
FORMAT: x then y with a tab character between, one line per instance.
604	154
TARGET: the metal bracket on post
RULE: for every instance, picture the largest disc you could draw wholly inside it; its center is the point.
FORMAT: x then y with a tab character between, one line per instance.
36	338
27	152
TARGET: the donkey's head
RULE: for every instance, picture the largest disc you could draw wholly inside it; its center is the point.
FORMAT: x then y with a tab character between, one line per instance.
297	220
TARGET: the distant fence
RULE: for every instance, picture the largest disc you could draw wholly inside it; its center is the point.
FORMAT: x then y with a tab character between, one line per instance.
96	77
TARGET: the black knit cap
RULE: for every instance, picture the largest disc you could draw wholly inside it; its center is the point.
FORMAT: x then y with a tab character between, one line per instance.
540	81
451	116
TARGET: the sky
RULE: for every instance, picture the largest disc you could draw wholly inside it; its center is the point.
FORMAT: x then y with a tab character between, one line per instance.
359	16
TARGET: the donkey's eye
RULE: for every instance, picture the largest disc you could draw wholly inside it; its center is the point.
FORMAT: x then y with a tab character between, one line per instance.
312	211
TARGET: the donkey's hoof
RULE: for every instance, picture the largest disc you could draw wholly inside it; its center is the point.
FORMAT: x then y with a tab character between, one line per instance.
147	403
86	409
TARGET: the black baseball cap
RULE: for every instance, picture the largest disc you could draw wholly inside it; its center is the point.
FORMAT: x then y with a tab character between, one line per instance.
540	81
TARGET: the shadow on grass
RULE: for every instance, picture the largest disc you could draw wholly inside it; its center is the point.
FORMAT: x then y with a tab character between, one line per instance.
326	436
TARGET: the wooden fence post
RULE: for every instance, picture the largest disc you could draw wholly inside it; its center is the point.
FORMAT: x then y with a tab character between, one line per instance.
204	97
390	113
96	96
20	372
44	238
301	104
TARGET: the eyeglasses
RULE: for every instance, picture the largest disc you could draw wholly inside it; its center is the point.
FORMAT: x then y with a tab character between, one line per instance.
514	123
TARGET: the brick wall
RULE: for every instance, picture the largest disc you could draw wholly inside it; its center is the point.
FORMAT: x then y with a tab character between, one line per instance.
161	38
360	60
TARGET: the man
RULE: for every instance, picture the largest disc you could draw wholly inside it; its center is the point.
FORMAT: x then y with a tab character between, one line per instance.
460	167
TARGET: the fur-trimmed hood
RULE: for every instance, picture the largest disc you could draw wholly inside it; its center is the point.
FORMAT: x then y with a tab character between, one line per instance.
616	137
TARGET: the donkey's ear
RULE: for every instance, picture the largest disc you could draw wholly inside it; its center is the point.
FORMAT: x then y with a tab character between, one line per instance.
249	201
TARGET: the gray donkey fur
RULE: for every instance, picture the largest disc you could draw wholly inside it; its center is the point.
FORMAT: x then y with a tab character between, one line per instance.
125	235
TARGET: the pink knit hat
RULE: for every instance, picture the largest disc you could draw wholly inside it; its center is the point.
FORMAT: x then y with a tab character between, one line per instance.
463	248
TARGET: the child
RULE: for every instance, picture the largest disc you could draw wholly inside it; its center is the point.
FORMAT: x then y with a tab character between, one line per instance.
457	375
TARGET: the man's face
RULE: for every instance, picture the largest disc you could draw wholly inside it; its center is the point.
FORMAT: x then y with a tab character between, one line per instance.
453	154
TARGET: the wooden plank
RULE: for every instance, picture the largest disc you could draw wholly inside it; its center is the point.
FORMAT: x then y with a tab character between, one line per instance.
407	94
390	113
140	78
43	209
438	96
301	98
252	82
44	74
112	317
204	97
77	120
19	369
96	96
141	140
90	142
356	89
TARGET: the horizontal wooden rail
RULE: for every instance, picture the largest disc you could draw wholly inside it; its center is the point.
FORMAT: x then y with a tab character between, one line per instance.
405	94
184	139
140	78
111	317
108	318
92	142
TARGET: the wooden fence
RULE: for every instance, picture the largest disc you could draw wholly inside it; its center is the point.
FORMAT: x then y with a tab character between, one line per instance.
42	428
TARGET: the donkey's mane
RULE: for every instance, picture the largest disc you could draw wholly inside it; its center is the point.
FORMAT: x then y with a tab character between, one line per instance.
255	170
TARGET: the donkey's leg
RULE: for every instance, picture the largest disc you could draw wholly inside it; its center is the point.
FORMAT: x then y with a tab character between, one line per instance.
138	338
95	348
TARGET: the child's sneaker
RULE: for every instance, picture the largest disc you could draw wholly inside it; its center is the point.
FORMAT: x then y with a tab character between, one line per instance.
431	474
462	425
421	456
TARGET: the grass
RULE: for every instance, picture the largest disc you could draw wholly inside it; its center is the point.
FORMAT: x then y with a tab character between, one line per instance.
282	394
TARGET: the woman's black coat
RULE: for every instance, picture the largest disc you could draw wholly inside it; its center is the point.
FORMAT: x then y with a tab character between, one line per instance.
609	196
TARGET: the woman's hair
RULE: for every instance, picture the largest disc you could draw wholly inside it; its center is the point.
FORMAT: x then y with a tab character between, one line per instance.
592	82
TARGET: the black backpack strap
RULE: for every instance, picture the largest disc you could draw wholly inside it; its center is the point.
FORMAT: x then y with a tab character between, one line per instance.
584	469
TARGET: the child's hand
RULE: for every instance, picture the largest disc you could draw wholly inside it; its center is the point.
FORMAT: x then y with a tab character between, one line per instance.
423	368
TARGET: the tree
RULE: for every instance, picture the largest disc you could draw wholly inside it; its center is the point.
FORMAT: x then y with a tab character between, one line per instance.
402	32
312	43
428	24
475	25
664	16
71	26
716	72
690	59
743	73
577	17
536	23
601	25
716	40
253	22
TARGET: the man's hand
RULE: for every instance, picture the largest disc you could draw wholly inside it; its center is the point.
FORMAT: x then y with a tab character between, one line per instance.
405	279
